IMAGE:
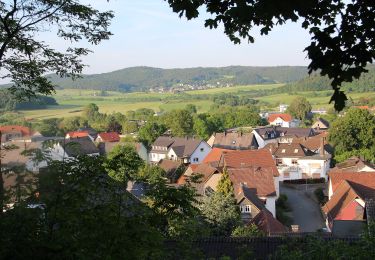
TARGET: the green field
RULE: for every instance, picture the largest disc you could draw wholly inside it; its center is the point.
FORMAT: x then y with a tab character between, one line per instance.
72	101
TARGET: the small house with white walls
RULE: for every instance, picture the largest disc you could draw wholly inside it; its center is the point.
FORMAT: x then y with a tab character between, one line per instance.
185	149
283	120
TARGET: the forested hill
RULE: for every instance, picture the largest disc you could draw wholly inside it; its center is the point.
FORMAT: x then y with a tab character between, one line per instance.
144	78
316	82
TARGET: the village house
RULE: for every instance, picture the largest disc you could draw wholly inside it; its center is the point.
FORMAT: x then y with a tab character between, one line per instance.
233	141
295	161
185	149
16	132
348	194
320	124
354	164
273	134
73	147
283	120
108	137
256	170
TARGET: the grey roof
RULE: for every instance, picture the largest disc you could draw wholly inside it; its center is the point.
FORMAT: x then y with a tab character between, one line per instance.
279	131
235	141
79	146
182	146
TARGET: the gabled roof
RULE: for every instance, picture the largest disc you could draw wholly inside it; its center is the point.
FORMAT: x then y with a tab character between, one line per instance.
342	197
365	179
259	180
109	137
287	150
250	159
278	131
169	166
215	155
25	131
249	194
265	221
315	142
324	123
235	141
79	146
353	164
183	147
77	134
285	117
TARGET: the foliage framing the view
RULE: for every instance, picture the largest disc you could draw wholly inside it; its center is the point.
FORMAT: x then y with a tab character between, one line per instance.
342	41
24	59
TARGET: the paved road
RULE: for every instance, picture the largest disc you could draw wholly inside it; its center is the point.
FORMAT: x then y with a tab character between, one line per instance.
305	211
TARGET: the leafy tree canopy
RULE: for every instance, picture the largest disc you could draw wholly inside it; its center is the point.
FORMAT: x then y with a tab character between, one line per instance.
342	38
299	108
24	59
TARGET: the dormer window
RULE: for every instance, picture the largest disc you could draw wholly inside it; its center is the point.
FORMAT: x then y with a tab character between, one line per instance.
283	151
295	150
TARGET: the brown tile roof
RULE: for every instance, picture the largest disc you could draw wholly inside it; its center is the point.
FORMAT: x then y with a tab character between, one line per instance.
343	195
169	166
109	137
260	180
352	164
204	169
250	158
314	143
265	221
25	131
215	155
284	117
235	141
283	150
367	179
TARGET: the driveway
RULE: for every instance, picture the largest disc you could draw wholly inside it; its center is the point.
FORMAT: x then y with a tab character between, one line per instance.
305	210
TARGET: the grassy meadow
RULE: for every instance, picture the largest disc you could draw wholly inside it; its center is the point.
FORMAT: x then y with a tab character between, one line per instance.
71	101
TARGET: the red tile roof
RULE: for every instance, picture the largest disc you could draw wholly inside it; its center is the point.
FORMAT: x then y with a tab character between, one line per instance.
365	179
215	155
109	137
284	117
344	195
250	158
260	180
25	131
76	134
267	223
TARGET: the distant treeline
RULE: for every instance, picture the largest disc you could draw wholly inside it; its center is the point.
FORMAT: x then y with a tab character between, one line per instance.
144	78
8	102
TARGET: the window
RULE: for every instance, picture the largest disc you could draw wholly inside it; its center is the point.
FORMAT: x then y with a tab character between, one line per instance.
172	155
202	149
246	208
195	159
295	150
283	151
279	161
294	161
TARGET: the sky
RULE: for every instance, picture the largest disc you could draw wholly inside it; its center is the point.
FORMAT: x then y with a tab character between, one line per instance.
148	33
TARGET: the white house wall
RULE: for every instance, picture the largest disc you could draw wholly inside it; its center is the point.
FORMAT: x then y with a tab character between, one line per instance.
200	153
271	205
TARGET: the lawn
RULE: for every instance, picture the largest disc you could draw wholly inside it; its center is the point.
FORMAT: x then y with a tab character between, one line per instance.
72	101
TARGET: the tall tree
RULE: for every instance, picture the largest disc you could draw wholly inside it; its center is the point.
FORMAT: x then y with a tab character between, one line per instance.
148	133
180	122
299	108
123	163
25	59
225	184
342	42
353	134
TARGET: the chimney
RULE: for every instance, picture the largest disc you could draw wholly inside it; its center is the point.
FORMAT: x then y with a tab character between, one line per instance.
322	143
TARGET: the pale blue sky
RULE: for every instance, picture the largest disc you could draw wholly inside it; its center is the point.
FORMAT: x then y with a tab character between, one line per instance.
147	32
